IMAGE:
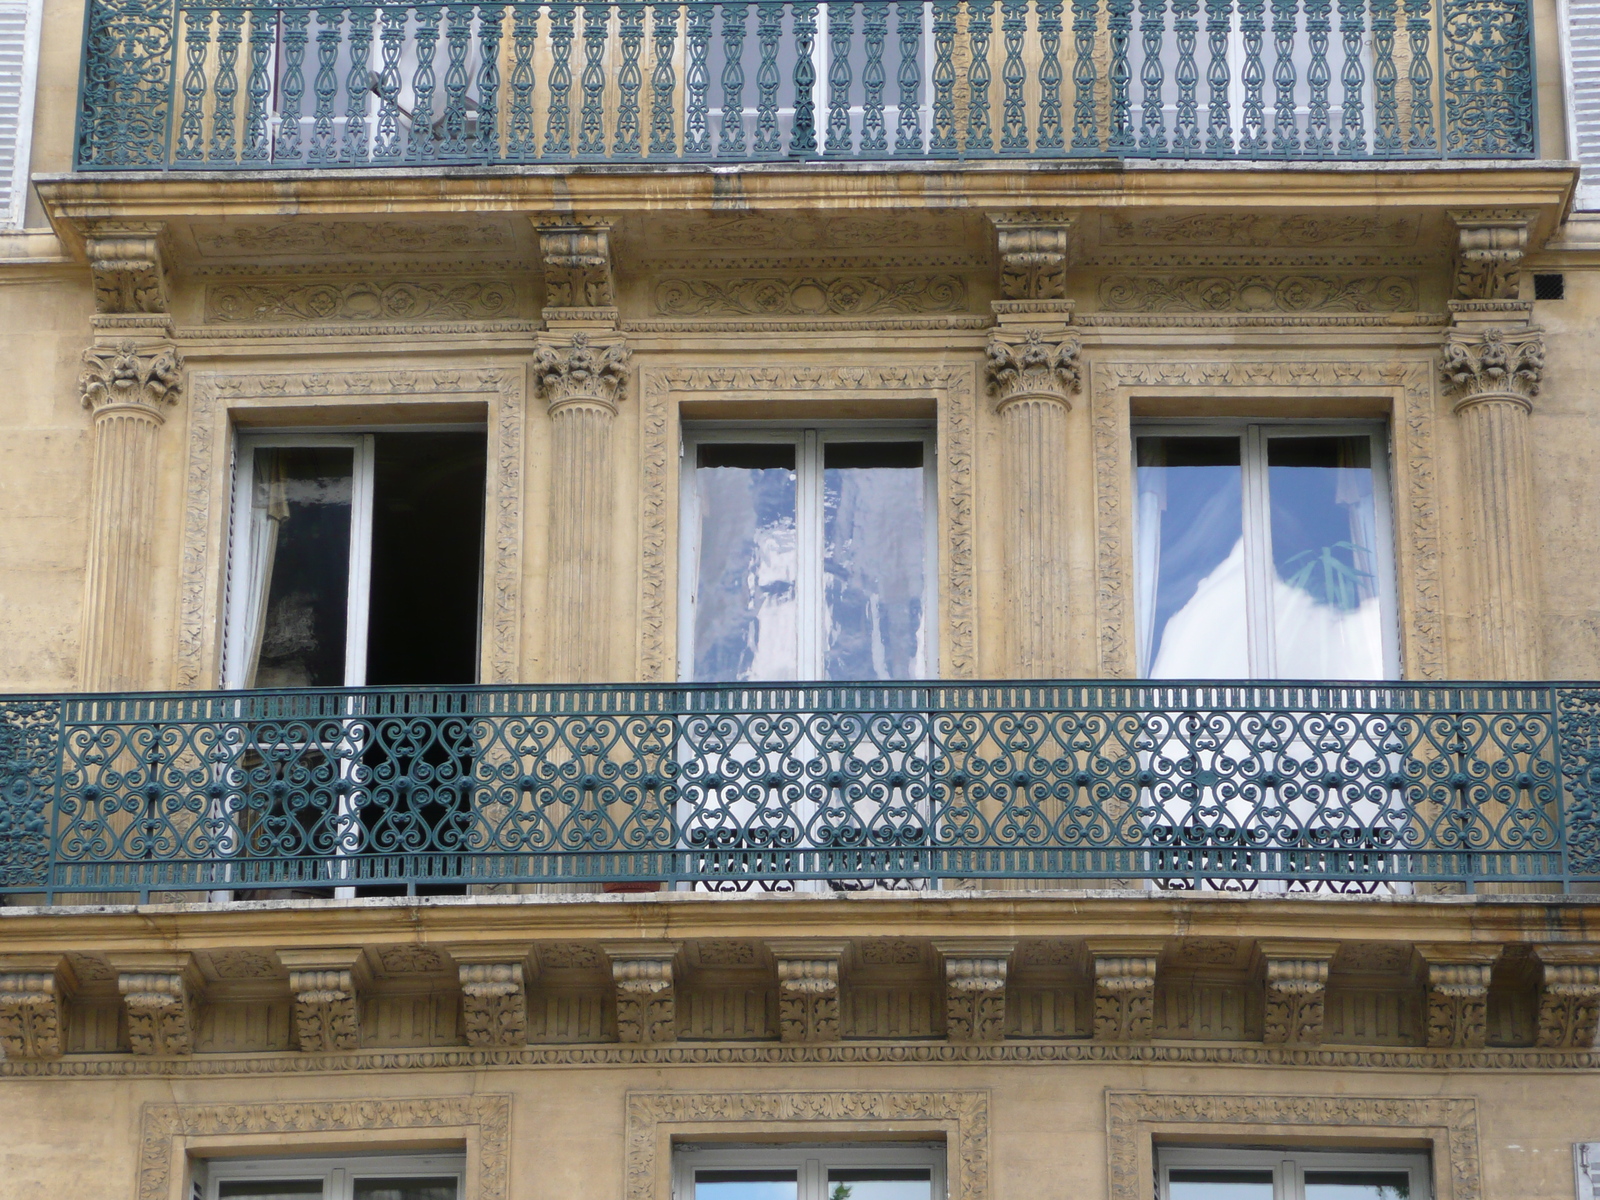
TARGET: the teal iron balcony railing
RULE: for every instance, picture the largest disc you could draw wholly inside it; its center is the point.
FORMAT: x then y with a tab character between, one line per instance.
194	85
1339	786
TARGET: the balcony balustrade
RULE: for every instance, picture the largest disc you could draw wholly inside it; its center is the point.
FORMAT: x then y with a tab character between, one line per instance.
191	85
1335	786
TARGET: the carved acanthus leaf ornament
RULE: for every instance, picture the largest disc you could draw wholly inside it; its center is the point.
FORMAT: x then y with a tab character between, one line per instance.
975	999
161	1011
577	266
494	1004
1489	252
581	372
30	1015
327	1014
125	265
808	999
129	374
646	1008
1495	364
1033	260
1295	1001
1124	998
1034	367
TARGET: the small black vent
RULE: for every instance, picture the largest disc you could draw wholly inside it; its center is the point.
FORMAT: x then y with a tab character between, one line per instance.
1549	287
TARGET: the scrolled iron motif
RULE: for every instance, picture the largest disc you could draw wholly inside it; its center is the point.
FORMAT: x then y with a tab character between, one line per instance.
1487	51
1579	727
28	758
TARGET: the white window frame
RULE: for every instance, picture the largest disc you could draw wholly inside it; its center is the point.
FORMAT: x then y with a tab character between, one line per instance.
14	215
808	438
338	1174
1289	1166
1257	520
809	1161
1586	1166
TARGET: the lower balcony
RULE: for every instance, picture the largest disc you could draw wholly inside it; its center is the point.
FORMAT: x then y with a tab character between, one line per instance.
1253	786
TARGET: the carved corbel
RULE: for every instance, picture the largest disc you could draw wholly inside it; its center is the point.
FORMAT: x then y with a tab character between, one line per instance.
160	993
1569	997
1490	247
578	372
1033	256
579	282
33	993
1033	367
1124	989
494	993
127	264
808	990
646	999
1296	991
327	986
1458	994
131	377
975	989
1482	365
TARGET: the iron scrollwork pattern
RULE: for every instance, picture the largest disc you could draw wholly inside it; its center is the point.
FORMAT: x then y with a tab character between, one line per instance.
125	103
29	752
1488	78
1579	710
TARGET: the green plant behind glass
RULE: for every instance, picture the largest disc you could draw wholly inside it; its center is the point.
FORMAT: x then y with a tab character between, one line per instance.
1339	581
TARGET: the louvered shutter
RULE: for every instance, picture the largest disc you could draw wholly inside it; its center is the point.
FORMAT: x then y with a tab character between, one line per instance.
19	64
1583	54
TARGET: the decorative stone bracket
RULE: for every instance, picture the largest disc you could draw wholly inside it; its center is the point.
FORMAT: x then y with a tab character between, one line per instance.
646	998
808	990
1296	991
494	1004
127	265
33	992
327	986
975	989
1032	257
160	992
1569	997
1124	989
1490	246
1458	994
579	281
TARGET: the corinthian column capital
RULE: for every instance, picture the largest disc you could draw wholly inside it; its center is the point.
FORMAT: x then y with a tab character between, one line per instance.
1493	364
129	375
581	372
1033	367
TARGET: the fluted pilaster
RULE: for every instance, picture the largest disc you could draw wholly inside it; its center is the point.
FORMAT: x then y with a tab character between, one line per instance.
1032	380
582	383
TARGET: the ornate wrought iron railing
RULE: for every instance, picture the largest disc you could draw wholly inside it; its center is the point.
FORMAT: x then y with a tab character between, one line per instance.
194	85
1342	786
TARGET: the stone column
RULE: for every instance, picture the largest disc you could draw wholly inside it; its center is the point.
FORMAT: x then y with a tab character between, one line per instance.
130	380
1493	358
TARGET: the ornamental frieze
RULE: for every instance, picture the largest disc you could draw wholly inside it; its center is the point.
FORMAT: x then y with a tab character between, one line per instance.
364	300
1298	293
346	237
1256	229
849	295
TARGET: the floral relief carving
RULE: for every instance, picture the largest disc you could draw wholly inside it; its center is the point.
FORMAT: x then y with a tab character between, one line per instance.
953	390
1297	991
646	1000
1259	230
570	956
808	999
345	237
494	1004
130	374
201	564
577	266
242	964
161	1011
1033	259
578	372
968	1111
1295	293
1130	1114
847	295
30	1015
127	269
327	1012
1458	999
1490	246
378	299
1417	521
1496	364
975	999
1032	367
410	960
1124	998
1569	1005
160	1125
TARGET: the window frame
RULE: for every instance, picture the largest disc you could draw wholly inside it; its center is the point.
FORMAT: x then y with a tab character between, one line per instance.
337	1172
1289	1165
1256	520
14	214
809	1160
808	438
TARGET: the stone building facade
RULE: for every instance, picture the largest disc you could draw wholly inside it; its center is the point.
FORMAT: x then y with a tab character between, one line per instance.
597	389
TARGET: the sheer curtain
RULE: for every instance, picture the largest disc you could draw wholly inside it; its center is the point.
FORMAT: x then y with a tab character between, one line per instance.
269	508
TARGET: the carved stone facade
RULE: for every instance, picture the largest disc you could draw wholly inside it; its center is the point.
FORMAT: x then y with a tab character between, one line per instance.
127	265
494	1004
1458	993
326	986
975	992
1569	997
646	998
1033	258
808	992
160	994
1297	986
1124	994
32	1007
577	267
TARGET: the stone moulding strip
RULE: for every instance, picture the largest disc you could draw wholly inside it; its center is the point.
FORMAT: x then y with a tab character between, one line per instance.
206	499
163	1126
963	1115
1132	1119
1018	1053
952	388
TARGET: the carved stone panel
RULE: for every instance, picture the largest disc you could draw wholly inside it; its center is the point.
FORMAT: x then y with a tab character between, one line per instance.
1297	990
327	985
577	266
32	1007
1458	994
1489	252
1033	258
1569	997
646	998
127	268
494	1004
161	1006
1124	995
808	998
975	998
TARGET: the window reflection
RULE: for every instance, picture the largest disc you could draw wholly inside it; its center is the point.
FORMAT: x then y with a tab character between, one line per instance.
746	1185
880	1183
1357	1185
1219	1185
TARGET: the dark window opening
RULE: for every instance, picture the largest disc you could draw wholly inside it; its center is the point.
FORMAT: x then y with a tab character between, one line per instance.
1549	286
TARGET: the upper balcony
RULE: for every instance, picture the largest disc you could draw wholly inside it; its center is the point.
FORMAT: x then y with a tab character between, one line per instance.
302	86
1193	786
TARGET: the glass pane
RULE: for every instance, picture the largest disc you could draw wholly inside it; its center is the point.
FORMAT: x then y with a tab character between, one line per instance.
1207	1184
745	1185
746	582
1189	543
1358	1185
268	1189
300	561
885	1183
1327	622
873	549
405	1189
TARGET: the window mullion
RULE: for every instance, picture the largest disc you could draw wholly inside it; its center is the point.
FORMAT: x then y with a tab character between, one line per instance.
1257	528
358	598
809	539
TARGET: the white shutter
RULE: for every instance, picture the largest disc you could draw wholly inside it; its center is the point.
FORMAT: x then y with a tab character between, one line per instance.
1583	94
19	68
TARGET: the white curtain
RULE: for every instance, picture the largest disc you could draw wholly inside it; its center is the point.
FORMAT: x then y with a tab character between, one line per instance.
269	508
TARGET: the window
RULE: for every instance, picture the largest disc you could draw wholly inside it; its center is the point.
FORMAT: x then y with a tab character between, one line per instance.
1580	43
19	69
1185	1173
881	1172
356	559
387	1177
1264	551
808	554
